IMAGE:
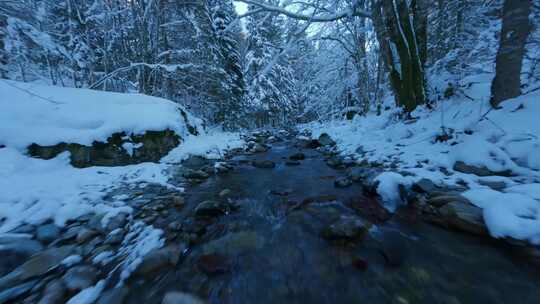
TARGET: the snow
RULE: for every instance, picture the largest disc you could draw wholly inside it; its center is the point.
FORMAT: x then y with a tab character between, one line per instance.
88	295
499	140
512	215
71	260
138	242
48	115
388	189
36	190
210	145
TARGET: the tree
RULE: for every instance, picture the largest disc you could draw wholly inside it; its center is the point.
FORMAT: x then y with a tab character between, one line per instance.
227	34
270	78
3	52
401	27
401	32
514	33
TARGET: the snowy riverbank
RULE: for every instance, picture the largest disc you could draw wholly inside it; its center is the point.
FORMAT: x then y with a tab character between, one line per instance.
494	153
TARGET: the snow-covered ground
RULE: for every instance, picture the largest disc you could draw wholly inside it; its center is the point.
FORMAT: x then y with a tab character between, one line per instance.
47	115
35	190
499	140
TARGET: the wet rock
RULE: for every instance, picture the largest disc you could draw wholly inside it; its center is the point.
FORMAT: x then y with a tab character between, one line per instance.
234	243
264	164
213	264
175	226
259	148
356	174
178	201
10	294
225	193
80	277
196	174
54	293
90	246
72	232
195	161
291	163
479	170
222	167
160	258
359	263
211	209
342	182
115	237
495	185
30	229
47	233
95	222
116	222
394	248
319	199
114	296
85	235
310	144
181	298
85	217
335	163
283	192
15	252
445	198
326	140
424	185
346	228
297	156
38	265
465	217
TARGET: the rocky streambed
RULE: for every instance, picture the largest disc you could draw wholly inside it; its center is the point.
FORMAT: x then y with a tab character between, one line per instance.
283	221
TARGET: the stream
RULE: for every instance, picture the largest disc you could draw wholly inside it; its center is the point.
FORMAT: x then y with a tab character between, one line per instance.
269	246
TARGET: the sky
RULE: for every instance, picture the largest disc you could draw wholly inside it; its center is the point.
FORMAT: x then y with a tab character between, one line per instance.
240	7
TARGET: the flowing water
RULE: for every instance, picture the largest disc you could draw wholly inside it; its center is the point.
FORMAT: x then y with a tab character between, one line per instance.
270	250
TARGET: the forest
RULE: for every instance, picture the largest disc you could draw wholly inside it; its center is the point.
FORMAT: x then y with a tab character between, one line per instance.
271	151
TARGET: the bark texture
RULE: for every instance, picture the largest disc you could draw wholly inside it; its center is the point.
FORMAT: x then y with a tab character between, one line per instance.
401	29
3	54
515	30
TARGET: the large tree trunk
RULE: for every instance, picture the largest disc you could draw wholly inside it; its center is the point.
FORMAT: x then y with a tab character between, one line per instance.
402	34
3	53
514	33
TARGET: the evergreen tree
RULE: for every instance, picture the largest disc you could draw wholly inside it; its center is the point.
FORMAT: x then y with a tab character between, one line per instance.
227	33
271	79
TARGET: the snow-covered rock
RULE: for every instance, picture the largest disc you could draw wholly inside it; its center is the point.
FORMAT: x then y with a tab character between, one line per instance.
458	142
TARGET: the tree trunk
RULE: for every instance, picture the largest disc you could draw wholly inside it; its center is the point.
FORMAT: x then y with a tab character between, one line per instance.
514	33
402	41
3	53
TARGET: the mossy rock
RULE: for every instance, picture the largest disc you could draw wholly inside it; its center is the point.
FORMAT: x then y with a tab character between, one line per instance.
149	147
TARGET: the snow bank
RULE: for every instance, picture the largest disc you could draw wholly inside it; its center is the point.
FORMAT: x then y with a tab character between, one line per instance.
35	190
48	115
507	139
512	215
210	145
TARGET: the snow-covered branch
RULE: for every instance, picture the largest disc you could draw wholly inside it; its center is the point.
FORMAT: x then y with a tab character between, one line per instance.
351	12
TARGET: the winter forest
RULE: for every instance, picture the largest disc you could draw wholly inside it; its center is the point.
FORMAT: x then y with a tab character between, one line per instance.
270	151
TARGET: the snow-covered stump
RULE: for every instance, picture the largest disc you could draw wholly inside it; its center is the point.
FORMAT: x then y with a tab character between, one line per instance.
118	150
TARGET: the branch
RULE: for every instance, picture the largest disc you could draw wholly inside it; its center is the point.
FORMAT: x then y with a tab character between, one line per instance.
324	18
